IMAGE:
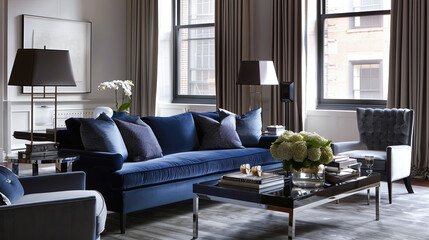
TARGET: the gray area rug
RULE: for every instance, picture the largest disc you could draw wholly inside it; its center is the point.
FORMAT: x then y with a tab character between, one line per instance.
407	218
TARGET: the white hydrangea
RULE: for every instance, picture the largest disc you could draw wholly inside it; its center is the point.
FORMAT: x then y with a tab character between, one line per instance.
284	151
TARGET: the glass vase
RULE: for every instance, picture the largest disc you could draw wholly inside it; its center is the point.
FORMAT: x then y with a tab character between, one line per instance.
309	177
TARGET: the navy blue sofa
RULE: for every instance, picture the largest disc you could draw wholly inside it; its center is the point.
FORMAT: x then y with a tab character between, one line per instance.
133	186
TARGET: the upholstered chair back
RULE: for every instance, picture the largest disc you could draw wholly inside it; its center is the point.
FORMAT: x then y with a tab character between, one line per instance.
379	128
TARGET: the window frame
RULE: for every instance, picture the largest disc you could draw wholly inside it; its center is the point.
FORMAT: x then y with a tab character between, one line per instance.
338	104
178	98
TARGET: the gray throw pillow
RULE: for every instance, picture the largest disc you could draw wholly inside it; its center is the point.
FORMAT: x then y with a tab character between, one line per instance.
219	135
249	126
140	140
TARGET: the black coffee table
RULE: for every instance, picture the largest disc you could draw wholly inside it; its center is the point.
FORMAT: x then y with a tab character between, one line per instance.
285	199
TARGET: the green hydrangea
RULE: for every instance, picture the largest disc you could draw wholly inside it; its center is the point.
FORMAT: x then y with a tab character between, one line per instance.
313	137
299	151
273	151
327	156
284	137
284	151
294	138
314	154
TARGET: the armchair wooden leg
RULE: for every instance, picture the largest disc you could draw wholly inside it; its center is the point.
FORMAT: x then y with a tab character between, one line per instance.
122	217
407	182
389	188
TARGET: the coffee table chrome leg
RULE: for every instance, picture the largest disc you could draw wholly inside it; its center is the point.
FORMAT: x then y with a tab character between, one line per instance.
195	216
377	203
291	226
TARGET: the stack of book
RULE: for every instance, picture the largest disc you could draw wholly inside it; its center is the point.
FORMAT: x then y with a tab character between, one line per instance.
40	151
342	168
267	182
275	130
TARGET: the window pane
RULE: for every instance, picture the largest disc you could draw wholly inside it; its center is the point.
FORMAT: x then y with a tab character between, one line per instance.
196	67
196	11
355	60
345	6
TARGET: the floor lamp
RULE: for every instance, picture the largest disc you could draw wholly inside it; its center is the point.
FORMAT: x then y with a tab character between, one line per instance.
42	67
287	96
257	73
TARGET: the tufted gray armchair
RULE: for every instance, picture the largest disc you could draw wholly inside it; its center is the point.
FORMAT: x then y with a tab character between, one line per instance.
385	134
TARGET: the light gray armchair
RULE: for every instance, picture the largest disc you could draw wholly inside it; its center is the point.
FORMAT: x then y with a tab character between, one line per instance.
55	206
385	134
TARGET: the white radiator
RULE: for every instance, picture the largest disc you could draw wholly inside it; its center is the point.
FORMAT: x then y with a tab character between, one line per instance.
64	114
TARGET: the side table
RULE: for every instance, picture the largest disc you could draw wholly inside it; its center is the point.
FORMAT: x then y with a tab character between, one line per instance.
62	163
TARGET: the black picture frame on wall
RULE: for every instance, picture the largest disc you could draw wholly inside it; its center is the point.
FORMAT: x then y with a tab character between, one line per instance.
56	33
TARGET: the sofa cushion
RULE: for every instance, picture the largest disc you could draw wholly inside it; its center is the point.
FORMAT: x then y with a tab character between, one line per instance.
140	140
175	134
102	135
131	119
214	115
186	165
219	135
10	186
248	126
100	206
73	132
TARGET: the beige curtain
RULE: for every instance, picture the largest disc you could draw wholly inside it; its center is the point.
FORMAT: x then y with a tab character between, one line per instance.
142	54
287	57
231	43
409	72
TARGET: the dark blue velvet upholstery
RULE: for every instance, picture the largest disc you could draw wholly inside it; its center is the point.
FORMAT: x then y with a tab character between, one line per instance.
379	128
10	185
248	126
175	134
185	165
103	135
73	132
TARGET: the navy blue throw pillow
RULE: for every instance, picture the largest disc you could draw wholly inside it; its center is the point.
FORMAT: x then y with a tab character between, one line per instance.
175	134
214	115
140	140
249	126
10	186
219	135
131	119
73	132
102	135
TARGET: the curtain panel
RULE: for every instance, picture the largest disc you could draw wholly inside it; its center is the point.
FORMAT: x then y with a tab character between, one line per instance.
232	34
409	73
142	54
287	57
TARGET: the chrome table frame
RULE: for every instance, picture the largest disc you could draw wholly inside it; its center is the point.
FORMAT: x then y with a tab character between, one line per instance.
290	211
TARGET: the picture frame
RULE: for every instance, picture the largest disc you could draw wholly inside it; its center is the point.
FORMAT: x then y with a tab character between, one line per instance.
56	33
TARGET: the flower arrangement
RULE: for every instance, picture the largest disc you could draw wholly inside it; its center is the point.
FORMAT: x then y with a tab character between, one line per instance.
301	150
115	85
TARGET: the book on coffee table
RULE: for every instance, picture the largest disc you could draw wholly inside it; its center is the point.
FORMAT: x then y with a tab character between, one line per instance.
240	177
251	185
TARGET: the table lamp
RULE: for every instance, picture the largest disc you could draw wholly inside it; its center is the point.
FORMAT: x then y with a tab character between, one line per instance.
42	67
259	73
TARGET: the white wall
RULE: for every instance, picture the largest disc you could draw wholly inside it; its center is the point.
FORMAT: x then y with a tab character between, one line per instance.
108	19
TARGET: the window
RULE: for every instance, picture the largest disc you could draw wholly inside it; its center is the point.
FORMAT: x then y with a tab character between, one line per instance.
194	51
353	38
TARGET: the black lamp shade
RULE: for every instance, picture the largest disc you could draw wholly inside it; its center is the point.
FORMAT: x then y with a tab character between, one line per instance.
40	67
257	73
